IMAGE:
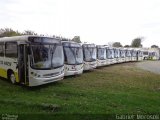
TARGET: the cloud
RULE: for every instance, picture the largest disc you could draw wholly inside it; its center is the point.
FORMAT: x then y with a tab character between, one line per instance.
96	21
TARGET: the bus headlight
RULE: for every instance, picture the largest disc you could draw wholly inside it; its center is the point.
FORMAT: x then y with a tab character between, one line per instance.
35	74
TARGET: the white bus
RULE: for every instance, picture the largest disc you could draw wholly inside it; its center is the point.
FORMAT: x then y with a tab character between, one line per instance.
116	55
122	55
73	55
101	55
128	55
134	55
110	56
89	56
31	60
139	55
145	54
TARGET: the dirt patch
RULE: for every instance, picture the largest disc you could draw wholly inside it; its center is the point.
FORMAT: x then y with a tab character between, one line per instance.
152	66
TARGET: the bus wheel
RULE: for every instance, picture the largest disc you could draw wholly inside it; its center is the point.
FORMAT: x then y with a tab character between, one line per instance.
12	78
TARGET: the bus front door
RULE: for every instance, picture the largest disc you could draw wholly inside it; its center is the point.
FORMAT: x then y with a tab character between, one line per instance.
22	64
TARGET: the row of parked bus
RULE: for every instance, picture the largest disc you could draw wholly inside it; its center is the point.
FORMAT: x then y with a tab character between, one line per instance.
79	57
37	60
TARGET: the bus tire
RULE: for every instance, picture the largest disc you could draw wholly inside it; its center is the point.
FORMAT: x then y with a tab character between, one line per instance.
12	78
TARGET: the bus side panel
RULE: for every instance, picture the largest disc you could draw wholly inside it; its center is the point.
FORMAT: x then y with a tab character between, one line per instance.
11	63
5	65
3	71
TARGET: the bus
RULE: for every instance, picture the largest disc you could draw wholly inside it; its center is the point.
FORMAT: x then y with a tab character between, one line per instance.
128	55
116	55
145	54
31	60
139	55
122	55
133	55
73	58
101	55
153	55
110	56
89	56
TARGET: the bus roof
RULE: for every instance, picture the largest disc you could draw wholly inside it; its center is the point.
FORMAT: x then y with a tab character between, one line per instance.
100	46
22	38
65	41
71	44
88	45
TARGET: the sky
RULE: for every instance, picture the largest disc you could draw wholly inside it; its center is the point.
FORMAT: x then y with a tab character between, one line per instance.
95	21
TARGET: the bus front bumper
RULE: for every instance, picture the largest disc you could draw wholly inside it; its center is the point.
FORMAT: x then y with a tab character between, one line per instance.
90	66
35	81
76	72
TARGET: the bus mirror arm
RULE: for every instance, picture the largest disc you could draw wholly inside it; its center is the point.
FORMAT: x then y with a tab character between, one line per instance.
18	66
28	50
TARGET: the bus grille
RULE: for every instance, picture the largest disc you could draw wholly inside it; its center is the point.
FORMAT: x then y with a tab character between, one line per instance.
51	74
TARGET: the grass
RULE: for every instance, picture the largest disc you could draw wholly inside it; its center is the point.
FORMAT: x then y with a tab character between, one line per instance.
116	89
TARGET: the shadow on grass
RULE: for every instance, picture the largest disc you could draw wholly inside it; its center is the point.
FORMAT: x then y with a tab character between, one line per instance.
88	71
36	88
5	80
71	76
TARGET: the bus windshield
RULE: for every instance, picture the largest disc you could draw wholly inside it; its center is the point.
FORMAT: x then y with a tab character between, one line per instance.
110	53
122	53
134	53
116	55
140	53
145	53
47	56
73	55
101	53
128	53
90	54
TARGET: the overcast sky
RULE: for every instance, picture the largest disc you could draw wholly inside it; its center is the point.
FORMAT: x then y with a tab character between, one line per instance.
95	21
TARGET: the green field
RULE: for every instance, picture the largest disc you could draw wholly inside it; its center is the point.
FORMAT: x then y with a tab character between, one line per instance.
116	89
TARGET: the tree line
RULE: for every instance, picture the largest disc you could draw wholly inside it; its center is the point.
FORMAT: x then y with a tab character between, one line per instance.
136	43
8	32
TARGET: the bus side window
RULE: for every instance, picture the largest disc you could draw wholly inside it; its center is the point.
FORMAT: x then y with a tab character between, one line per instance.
1	49
11	49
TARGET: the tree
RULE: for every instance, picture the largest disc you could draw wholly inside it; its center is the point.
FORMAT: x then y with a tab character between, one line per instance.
127	46
65	39
8	32
29	32
116	44
137	42
154	46
76	39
